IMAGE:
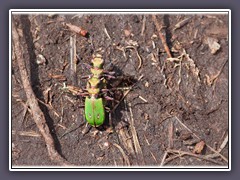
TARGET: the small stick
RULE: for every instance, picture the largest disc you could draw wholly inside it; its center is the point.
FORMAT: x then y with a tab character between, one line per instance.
170	142
125	138
146	140
183	153
163	159
153	157
215	77
143	99
143	25
225	141
106	32
38	115
73	59
212	149
49	107
27	133
182	23
70	130
163	39
77	29
139	57
140	60
170	138
73	54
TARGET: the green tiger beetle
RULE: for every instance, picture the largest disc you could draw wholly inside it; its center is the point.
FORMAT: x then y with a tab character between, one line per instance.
96	92
94	105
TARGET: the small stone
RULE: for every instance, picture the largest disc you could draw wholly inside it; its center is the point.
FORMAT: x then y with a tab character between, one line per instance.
41	60
199	147
213	45
127	32
147	84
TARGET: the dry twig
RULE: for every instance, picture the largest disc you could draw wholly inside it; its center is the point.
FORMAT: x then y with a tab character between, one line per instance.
76	29
170	138
106	32
143	25
37	114
182	23
73	59
27	133
139	57
212	80
183	153
154	157
73	54
212	149
163	39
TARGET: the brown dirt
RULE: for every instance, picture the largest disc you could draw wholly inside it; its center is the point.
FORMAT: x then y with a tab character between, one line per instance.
179	93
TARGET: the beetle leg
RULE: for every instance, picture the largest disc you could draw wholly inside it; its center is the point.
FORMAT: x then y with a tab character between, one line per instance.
86	129
86	77
110	121
104	90
109	72
108	76
88	66
107	109
83	94
108	98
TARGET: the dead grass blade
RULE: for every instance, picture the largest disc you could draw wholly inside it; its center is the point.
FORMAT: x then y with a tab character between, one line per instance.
73	60
73	54
27	133
164	158
126	140
163	39
125	157
135	138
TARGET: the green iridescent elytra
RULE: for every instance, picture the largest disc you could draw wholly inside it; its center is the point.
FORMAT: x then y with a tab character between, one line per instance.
94	105
94	111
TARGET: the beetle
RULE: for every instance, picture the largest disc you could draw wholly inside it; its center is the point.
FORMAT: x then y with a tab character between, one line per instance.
95	93
94	102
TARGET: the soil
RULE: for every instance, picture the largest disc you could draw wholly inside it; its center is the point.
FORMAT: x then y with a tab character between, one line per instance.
175	115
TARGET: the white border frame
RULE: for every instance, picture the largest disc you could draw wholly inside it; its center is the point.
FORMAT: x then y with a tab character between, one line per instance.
117	11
